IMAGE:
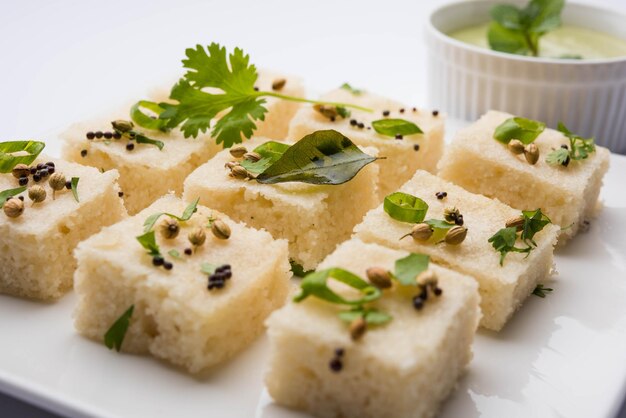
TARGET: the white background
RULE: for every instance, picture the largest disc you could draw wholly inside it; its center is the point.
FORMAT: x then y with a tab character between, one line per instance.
63	61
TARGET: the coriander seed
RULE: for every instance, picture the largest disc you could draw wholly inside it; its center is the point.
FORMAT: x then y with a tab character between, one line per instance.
122	126
328	111
451	214
231	164
531	152
379	277
37	194
56	182
220	229
169	228
516	146
252	156
21	170
239	172
358	328
13	208
420	232
279	84
197	237
238	151
455	235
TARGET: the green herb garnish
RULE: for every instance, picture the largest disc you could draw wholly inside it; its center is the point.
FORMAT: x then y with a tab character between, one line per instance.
189	211
323	157
440	228
142	139
579	148
315	284
148	241
208	268
542	291
354	91
27	152
233	78
522	129
505	239
393	127
298	270
405	207
517	30
114	337
74	185
6	194
371	316
270	152
406	269
145	121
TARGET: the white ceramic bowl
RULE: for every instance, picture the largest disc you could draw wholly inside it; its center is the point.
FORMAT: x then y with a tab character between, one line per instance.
589	96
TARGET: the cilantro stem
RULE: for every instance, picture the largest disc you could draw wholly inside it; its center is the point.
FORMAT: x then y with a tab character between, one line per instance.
301	100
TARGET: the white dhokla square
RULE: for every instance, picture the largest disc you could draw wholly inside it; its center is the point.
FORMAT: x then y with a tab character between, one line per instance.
36	256
279	112
568	195
313	218
503	288
175	316
404	368
146	173
403	157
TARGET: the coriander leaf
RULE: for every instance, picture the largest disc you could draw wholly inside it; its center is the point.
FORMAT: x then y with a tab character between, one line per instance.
142	139
440	228
148	241
315	284
6	194
522	129
27	152
558	156
270	152
208	268
580	147
372	316
114	337
145	121
298	270
74	185
503	241
405	207
323	157
187	214
542	16
174	253
354	91
542	291
239	121
343	112
534	221
407	268
393	127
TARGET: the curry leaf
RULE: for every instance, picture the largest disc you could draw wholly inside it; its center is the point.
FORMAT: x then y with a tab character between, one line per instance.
27	152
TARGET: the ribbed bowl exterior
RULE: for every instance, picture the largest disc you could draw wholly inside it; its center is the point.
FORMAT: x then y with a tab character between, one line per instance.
588	96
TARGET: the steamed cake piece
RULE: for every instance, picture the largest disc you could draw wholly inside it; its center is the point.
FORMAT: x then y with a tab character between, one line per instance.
279	112
404	368
146	173
312	218
36	258
481	164
503	288
403	156
176	317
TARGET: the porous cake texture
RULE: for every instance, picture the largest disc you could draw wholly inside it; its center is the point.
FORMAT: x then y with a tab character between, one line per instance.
36	252
176	318
146	173
404	368
402	156
312	218
503	288
568	195
279	112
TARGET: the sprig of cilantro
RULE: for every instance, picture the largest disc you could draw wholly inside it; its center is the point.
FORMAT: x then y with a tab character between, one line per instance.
504	241
217	82
579	148
517	30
